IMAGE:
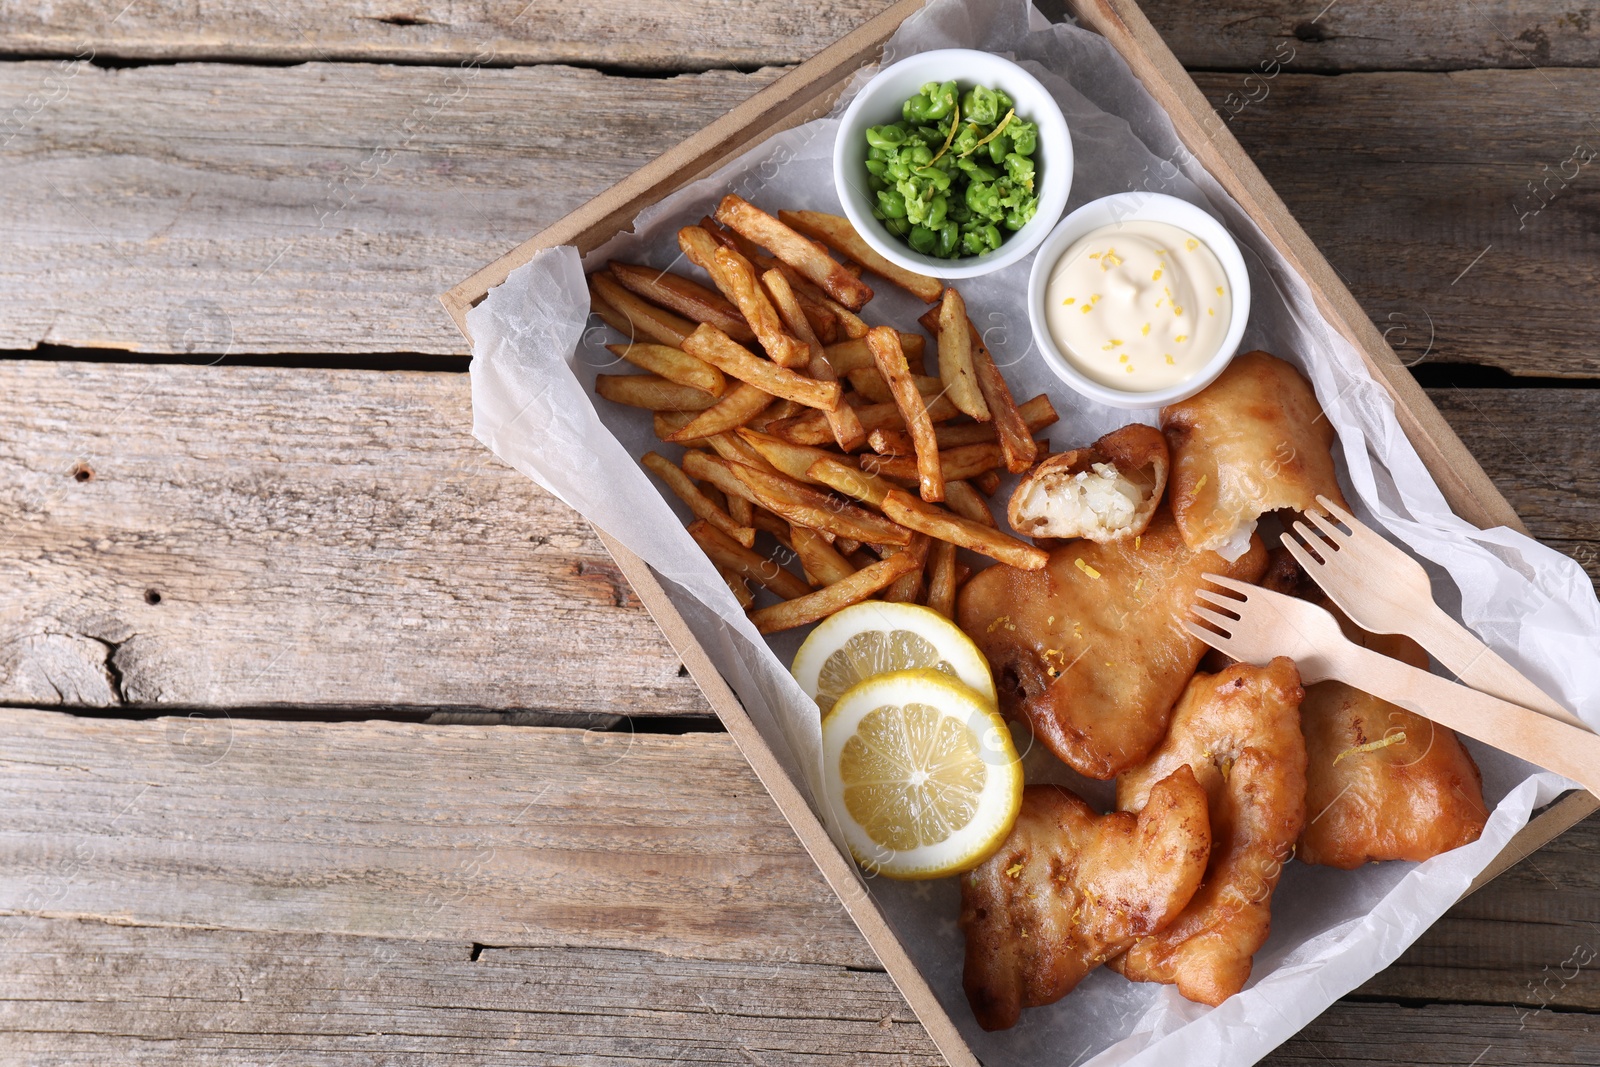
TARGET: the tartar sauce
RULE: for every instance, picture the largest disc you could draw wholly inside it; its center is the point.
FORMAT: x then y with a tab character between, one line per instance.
1138	305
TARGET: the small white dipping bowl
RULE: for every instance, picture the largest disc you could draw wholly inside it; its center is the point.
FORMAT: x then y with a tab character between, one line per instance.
880	101
1149	207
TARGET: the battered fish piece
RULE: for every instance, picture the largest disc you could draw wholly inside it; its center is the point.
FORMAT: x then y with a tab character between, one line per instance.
1107	491
1382	783
1253	441
1090	650
1239	731
1069	889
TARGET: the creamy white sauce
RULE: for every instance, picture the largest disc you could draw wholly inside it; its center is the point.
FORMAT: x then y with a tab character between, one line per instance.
1138	305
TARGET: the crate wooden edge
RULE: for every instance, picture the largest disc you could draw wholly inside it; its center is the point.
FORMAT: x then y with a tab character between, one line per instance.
806	92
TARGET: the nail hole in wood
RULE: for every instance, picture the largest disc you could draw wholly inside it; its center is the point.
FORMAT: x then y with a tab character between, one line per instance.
151	596
83	472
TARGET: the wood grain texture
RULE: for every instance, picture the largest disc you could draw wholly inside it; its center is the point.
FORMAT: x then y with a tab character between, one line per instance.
676	36
1441	201
240	537
94	992
210	890
167	209
1354	35
75	991
206	209
498	835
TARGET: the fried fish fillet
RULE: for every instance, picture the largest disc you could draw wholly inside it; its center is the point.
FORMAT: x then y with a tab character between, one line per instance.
1253	441
1239	732
1106	491
1069	889
1090	650
1382	783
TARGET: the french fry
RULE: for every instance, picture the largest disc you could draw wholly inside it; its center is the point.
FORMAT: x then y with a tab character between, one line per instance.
688	298
820	559
961	498
813	301
1011	429
763	519
941	571
846	356
907	588
835	473
738	587
851	323
787	458
700	504
836	232
738	406
733	359
1037	413
812	428
668	423
885	345
846	426
987	482
846	545
805	506
738	280
836	597
892	442
780	409
870	384
673	364
735	449
799	252
724	551
645	321
968	461
922	517
651	392
955	357
715	471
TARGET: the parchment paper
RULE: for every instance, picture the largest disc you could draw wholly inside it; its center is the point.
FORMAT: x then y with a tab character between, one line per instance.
535	359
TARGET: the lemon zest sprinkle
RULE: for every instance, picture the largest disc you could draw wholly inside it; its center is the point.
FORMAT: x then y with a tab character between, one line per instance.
1085	568
1396	738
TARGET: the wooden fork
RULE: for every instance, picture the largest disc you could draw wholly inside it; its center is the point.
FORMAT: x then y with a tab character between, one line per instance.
1265	624
1387	592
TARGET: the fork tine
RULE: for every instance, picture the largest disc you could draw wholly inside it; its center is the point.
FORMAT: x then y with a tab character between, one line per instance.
1326	528
1215	618
1212	597
1302	555
1337	512
1244	589
1314	543
1211	637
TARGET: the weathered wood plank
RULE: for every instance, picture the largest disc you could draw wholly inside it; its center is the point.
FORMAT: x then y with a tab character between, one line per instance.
130	994
1462	209
499	835
1376	35
92	991
169	209
344	542
1234	35
676	36
320	208
238	537
545	837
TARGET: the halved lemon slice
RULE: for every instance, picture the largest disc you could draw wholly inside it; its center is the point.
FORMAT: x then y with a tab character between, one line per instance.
876	636
921	774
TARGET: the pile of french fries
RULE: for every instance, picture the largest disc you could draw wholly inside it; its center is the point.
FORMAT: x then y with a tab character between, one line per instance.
801	421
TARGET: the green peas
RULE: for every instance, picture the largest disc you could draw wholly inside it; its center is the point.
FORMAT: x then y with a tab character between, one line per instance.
954	176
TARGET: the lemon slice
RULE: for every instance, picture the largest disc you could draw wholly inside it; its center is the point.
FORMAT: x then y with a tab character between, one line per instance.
920	773
876	636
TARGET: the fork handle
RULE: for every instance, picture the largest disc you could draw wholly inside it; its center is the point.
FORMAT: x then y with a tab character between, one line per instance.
1537	738
1479	666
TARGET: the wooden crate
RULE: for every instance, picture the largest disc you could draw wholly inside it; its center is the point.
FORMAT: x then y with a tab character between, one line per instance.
808	92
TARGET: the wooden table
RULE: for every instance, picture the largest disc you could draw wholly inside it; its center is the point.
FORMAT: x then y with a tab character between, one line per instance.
328	739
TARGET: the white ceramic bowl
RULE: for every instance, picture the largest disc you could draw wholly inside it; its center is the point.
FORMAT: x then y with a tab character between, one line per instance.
879	102
1127	207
